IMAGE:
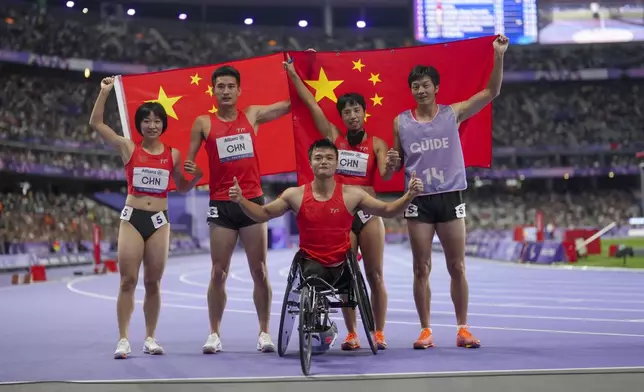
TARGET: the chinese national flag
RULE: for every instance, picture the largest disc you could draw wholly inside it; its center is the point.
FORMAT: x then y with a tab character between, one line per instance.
381	77
187	93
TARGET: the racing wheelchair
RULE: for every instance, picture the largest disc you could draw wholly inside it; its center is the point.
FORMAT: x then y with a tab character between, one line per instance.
313	299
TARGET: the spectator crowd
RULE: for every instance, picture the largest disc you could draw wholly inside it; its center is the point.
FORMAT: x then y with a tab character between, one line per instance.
44	116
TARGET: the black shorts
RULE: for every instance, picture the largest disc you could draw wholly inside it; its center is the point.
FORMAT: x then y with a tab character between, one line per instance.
360	219
438	208
332	275
145	222
229	214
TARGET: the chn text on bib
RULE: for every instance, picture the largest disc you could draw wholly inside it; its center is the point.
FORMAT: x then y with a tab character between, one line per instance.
150	180
232	148
352	163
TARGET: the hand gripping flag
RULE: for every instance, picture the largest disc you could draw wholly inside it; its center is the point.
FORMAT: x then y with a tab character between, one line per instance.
381	77
188	92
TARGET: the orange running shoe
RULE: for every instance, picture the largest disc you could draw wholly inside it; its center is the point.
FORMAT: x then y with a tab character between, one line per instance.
425	340
465	339
351	342
380	340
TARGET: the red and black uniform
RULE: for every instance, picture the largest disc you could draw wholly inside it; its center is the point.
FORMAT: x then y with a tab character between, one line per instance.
324	228
231	153
356	166
148	175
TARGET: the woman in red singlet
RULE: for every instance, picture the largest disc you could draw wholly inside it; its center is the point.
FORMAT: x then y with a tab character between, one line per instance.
144	231
361	156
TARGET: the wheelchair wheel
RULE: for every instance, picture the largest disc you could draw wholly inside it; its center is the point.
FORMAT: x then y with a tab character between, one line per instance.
290	307
364	305
307	321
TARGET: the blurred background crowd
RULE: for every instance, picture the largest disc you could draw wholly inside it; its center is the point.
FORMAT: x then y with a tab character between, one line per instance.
44	117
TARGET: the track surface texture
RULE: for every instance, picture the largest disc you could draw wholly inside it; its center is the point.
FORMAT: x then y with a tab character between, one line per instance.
527	317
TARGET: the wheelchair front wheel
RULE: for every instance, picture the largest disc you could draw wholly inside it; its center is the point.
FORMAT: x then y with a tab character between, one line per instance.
364	305
290	307
307	322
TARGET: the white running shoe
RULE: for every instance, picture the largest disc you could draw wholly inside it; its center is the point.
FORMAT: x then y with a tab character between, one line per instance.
152	347
265	343
122	349
213	344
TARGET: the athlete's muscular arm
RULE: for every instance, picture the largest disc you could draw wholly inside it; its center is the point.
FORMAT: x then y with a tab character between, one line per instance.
373	206
266	113
478	101
323	125
387	159
196	138
183	185
397	146
258	213
124	145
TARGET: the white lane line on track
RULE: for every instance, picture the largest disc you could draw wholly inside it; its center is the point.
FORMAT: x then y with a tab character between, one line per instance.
73	282
413	311
184	279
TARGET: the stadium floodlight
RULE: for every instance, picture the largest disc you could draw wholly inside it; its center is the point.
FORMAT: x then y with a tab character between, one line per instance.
248	21
183	16
85	10
131	11
361	24
70	4
302	23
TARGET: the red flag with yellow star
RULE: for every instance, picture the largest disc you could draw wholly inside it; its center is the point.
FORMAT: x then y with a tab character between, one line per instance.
381	77
187	93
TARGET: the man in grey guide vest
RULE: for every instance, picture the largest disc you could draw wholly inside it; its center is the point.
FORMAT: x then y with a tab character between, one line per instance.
428	141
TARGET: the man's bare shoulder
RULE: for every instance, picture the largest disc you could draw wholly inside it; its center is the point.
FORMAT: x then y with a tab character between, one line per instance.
293	191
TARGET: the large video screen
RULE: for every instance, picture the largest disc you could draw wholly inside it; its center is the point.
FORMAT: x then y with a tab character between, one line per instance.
583	22
450	20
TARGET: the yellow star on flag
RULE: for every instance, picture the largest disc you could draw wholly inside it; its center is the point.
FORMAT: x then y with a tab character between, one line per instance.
324	87
213	110
366	116
167	102
195	79
209	91
358	65
375	78
376	100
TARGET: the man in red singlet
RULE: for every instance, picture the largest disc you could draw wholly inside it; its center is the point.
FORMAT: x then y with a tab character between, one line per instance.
362	157
324	211
229	136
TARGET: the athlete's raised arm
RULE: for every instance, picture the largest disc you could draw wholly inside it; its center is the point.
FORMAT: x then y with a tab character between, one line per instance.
122	144
260	114
183	184
323	125
259	213
373	206
478	101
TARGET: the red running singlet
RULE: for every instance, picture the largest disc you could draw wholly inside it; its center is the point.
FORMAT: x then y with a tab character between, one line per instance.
356	165
324	227
231	153
149	174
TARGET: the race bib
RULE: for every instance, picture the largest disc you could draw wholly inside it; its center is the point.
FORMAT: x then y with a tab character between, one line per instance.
146	179
364	217
158	220
232	148
126	214
352	163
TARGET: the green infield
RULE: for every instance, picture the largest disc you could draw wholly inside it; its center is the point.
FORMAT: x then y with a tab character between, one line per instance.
604	260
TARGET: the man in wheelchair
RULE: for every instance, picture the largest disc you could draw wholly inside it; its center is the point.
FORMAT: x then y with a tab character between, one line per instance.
324	211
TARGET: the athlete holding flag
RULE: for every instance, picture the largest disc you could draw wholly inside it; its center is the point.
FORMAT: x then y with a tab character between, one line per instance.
428	141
